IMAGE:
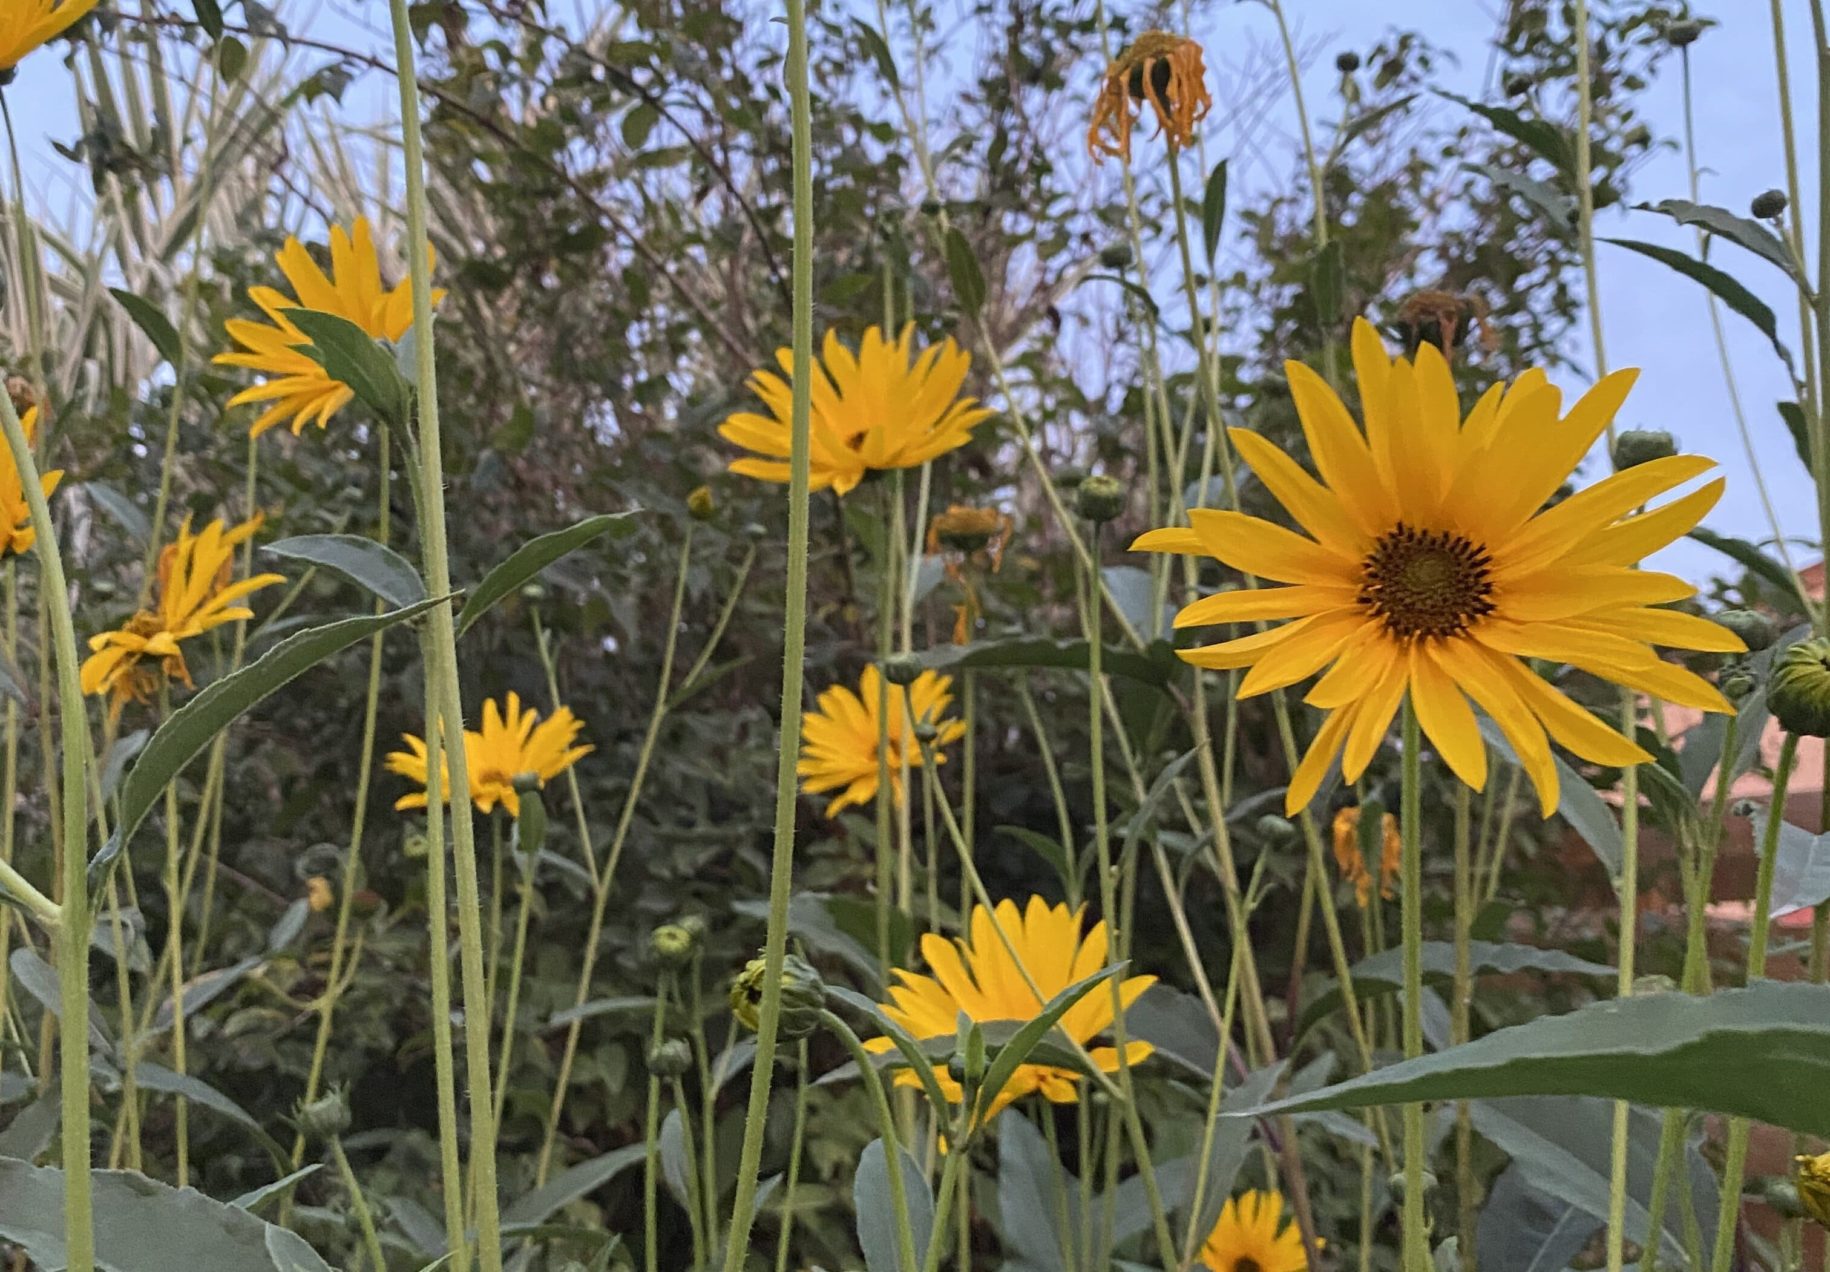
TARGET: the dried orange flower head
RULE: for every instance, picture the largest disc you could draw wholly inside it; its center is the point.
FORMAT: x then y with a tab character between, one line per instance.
963	529
1443	319
1161	70
1351	858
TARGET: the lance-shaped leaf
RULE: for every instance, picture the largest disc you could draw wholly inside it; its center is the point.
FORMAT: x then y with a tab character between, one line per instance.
1041	651
350	355
1740	230
364	562
150	320
875	1202
1012	1054
534	556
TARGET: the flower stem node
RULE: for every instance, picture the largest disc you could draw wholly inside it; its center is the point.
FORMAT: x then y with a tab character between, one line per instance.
803	996
1783	1196
325	1117
673	945
1099	499
1798	694
1755	629
1638	446
1657	983
1396	1182
669	1058
1768	205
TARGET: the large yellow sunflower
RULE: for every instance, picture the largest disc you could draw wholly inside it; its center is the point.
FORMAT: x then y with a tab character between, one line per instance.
1428	564
872	409
513	742
193	595
296	385
975	976
839	741
26	25
16	533
1253	1236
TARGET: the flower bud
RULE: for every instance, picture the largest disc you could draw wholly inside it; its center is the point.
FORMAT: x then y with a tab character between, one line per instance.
1783	1196
318	894
1755	629
803	996
1117	256
930	207
693	924
902	669
1099	499
1347	63
1812	1177
1768	204
415	845
1276	831
24	396
1798	694
1680	34
1517	84
1737	683
926	732
325	1117
672	945
669	1058
1638	446
700	504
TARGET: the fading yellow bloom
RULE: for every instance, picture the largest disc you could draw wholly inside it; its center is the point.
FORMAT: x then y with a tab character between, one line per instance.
960	536
513	742
1814	1187
974	976
1352	861
26	25
1426	563
839	741
879	408
16	533
193	594
1252	1235
1161	70
296	385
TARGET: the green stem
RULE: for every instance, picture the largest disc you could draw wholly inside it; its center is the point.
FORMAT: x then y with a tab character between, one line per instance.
1461	1009
174	944
365	1220
1416	1233
1696	973
1628	886
438	946
1216	1090
651	1240
886	1128
516	961
794	650
785	1241
950	1178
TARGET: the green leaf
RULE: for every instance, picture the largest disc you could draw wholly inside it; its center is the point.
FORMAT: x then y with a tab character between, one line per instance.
1801	866
1366	121
1761	1053
255	1198
1586	812
351	356
1725	287
209	17
156	326
602	1007
963	269
362	561
1756	561
810	920
142	1225
1013	1053
231	58
123	511
188	730
1213	209
1740	230
911	1050
1383	973
1794	417
1544	139
156	1077
532	557
571	1184
1328	284
36	977
1552	202
879	51
1142	296
33	1127
199	992
876	1208
1033	1190
1041	651
1524	1230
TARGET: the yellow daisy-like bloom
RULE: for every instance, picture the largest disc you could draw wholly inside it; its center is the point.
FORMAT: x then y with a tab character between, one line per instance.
193	595
839	740
513	742
16	533
975	976
1352	860
881	407
1252	1235
26	25
296	385
1430	566
1814	1186
1160	69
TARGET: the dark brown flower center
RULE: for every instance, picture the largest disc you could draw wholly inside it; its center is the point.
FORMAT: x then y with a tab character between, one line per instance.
1244	1264
1423	583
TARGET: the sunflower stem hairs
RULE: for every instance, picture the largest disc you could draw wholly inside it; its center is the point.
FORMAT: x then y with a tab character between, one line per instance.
297	385
513	742
975	976
192	595
16	533
1426	563
879	408
1252	1235
27	25
840	747
1158	69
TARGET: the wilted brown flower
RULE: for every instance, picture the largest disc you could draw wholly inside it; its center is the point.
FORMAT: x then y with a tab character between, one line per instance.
1162	70
1352	861
963	536
1445	320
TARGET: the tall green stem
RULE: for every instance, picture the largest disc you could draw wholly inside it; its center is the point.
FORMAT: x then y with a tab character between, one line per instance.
794	650
1416	1234
1628	886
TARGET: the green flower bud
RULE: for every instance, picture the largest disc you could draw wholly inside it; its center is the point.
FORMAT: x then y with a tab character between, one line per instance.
1680	34
803	996
700	504
1099	499
1517	84
1768	204
1276	831
415	844
669	1058
1638	446
1798	694
1347	63
672	945
1782	1195
926	732
1755	629
1737	683
325	1117
693	923
1116	256
902	669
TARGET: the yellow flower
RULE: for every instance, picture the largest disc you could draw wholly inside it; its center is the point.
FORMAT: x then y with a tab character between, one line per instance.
1252	1236
296	385
193	595
872	409
16	533
975	976
27	24
1430	566
513	742
1165	71
839	740
1352	861
1814	1187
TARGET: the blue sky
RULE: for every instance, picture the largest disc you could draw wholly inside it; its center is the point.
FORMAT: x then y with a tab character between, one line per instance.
1652	319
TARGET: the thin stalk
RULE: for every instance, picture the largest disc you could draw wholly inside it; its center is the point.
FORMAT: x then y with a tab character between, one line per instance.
651	1240
951	1177
365	1219
1216	1090
696	1203
1628	887
886	625
1416	1234
517	960
174	944
1696	974
785	1240
438	937
1460	1012
886	1128
1064	820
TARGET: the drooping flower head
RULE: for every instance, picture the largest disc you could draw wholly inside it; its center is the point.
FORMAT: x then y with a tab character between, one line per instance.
1426	563
839	740
963	536
881	407
1813	1177
1161	70
513	742
26	25
1351	857
1252	1235
975	976
297	386
192	593
16	533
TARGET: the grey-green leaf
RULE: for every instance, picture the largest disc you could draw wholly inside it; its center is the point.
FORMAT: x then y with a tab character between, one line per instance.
364	562
350	355
156	326
571	1184
1739	230
876	1208
1041	651
963	269
528	560
1013	1053
1213	209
